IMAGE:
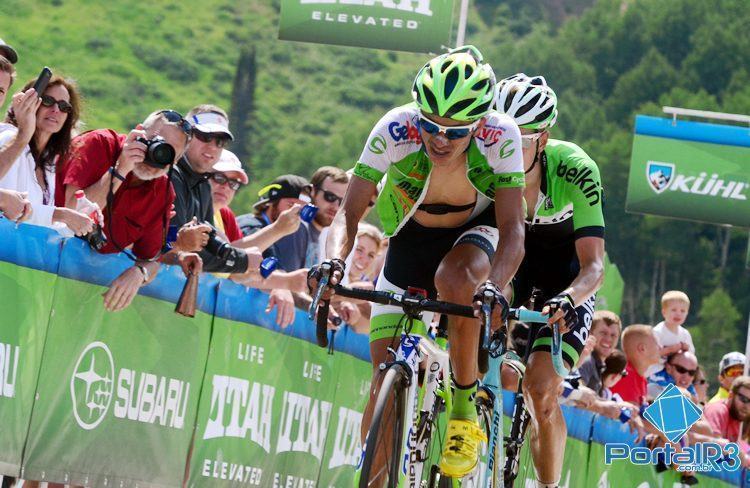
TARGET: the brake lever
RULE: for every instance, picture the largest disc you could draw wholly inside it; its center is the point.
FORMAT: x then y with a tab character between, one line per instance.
487	303
325	269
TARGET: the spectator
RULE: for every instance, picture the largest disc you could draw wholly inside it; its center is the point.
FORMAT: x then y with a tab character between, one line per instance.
7	76
8	53
642	351
701	386
366	250
670	333
731	366
35	137
135	195
15	205
612	372
606	328
282	194
227	178
328	187
679	370
726	416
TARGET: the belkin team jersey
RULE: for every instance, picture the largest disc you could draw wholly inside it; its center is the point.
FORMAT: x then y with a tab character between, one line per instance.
394	148
570	200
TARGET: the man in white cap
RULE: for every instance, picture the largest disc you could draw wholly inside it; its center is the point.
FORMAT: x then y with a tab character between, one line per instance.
731	366
8	52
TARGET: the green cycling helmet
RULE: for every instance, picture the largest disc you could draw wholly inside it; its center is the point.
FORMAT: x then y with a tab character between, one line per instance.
456	85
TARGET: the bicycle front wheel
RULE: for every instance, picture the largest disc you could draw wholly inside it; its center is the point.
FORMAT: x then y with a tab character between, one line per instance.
385	441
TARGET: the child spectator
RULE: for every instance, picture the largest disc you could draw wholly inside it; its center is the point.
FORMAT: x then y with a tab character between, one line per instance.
612	372
606	328
731	366
641	351
670	333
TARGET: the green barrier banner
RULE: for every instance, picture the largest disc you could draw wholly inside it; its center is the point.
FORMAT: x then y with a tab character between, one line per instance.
276	411
117	393
690	170
609	296
399	25
25	306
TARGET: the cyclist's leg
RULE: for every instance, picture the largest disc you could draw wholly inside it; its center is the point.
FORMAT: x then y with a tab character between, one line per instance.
540	385
460	272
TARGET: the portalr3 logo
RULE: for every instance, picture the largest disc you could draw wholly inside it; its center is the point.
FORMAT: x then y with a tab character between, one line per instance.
673	414
139	396
663	176
91	385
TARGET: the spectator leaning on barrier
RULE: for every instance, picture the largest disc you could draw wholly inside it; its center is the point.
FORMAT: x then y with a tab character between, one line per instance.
731	366
7	77
679	370
15	205
328	186
227	178
726	416
34	139
133	192
606	328
612	372
641	351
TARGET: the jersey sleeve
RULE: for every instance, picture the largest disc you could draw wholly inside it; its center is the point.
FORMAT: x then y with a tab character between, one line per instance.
584	190
376	156
500	141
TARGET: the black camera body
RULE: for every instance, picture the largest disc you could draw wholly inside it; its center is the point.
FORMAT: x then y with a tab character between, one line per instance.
159	153
96	238
217	246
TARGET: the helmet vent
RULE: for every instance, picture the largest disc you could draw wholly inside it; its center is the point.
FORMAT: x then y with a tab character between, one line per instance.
450	82
480	85
431	101
481	109
458	107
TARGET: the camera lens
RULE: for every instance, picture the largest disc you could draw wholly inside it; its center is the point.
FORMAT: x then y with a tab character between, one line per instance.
159	153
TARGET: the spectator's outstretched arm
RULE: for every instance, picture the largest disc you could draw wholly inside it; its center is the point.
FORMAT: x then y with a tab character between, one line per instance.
295	281
24	105
283	301
15	205
287	223
125	287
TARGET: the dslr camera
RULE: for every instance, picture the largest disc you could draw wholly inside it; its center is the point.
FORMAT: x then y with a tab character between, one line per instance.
159	153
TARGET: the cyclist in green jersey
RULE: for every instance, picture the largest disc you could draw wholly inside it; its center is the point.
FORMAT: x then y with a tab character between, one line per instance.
564	255
453	173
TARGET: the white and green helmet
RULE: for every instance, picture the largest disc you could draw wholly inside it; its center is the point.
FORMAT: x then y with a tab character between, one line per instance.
457	85
528	100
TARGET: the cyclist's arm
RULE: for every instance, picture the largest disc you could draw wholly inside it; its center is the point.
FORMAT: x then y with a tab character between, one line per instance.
344	227
590	252
509	216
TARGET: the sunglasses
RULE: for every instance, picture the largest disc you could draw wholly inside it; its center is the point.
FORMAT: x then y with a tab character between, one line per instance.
64	106
451	132
701	382
221	179
742	398
329	196
528	139
682	370
733	373
221	140
177	118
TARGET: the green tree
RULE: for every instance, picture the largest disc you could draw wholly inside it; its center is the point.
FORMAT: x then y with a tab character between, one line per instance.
718	330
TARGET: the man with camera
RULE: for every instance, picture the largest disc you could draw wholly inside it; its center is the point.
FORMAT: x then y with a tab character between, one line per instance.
194	207
126	177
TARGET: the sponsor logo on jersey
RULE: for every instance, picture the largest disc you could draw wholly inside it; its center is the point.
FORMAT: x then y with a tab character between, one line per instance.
490	135
582	178
377	145
404	134
665	176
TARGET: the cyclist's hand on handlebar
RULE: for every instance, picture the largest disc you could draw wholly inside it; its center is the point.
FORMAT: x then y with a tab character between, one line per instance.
337	268
499	304
561	309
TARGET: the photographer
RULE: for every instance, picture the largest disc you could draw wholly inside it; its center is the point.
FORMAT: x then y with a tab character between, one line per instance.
126	176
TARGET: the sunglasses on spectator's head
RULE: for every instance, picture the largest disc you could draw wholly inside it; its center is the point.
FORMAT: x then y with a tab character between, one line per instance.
63	105
177	118
682	370
222	179
221	140
742	398
451	132
329	196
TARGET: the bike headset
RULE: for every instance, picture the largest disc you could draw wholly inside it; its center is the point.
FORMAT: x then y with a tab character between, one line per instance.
174	118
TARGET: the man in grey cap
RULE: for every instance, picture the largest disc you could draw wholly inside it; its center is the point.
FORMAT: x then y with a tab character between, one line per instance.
731	366
9	53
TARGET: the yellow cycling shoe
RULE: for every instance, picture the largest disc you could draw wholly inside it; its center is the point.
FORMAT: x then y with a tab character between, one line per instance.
461	451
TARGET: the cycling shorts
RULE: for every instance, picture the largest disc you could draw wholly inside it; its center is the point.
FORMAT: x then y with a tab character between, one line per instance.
414	255
552	277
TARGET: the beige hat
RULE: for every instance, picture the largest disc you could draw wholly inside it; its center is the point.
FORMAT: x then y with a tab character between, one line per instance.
229	163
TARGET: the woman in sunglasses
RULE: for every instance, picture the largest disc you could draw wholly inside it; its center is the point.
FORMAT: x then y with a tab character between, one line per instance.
34	139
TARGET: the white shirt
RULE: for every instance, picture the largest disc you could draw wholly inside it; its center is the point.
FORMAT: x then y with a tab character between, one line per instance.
666	337
22	177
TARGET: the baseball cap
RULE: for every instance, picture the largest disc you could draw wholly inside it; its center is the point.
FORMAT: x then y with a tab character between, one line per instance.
211	123
730	359
285	186
229	163
9	53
